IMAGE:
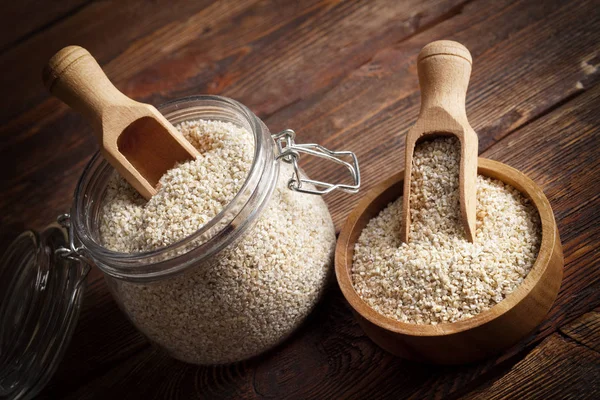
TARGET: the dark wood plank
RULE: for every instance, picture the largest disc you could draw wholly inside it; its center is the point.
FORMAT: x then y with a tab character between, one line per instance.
559	368
330	357
22	19
107	30
585	330
293	43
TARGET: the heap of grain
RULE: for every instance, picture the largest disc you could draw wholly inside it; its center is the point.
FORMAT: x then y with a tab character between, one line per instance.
438	276
256	292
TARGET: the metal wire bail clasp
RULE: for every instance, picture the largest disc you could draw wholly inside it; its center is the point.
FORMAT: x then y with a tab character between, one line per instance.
289	152
73	253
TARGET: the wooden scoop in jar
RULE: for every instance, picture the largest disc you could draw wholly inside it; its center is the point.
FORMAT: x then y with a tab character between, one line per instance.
444	69
134	137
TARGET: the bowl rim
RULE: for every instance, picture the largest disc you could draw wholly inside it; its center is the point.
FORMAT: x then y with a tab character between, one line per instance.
490	168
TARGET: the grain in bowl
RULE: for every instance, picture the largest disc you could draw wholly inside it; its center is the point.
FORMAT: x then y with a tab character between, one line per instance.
438	276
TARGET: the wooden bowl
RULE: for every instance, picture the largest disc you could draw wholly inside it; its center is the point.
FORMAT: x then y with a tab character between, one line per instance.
475	338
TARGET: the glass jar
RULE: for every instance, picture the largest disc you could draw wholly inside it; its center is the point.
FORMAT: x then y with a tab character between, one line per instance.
235	288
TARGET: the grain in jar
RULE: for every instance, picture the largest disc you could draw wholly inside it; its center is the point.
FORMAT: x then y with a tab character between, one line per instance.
255	293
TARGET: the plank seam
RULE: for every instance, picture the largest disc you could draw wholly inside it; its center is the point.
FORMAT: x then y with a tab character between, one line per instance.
574	340
559	104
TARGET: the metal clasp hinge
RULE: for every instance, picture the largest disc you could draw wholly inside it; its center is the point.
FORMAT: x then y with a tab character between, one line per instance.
73	253
289	152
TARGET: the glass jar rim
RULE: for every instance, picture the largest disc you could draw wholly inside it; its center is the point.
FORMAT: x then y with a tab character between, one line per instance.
170	260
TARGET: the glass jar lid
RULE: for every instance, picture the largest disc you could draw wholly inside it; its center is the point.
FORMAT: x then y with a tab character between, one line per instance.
41	288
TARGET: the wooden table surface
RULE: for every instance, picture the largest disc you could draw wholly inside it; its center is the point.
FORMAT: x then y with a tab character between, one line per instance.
341	73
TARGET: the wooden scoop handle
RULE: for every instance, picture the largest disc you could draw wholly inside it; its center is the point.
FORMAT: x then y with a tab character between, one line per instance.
444	70
74	76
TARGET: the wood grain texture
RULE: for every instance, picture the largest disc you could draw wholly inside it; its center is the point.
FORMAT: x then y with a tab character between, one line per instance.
201	53
105	30
558	368
23	19
585	330
329	357
342	74
112	340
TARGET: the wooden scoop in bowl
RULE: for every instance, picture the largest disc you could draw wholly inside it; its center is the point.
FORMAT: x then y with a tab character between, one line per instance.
134	137
444	69
492	330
